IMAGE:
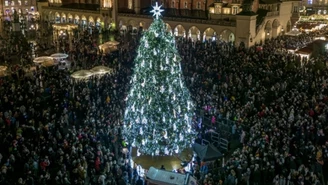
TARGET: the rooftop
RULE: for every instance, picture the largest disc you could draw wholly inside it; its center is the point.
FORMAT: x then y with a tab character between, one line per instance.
270	1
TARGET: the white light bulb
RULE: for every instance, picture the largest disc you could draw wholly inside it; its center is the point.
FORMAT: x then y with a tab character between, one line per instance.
181	137
177	150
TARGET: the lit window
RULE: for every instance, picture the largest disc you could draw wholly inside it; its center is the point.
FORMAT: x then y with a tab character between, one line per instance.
12	3
26	2
309	1
6	3
199	6
19	2
234	10
185	4
217	9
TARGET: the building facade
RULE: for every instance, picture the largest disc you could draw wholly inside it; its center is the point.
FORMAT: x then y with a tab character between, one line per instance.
310	7
238	21
24	8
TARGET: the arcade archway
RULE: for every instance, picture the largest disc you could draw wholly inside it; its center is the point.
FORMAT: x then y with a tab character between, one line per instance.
57	17
132	25
77	19
70	18
268	29
142	25
179	31
210	34
227	36
84	20
275	25
168	28
194	33
91	21
289	26
63	17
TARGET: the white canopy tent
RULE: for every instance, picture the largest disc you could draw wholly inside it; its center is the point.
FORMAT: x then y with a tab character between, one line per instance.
100	70
81	75
163	177
295	32
42	59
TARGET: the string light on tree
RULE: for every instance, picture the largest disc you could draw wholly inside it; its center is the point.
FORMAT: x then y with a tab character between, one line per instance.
159	108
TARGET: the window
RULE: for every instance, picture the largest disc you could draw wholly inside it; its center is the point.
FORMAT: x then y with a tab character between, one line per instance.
217	9
185	4
26	2
199	5
295	9
309	1
172	4
12	3
234	10
32	8
19	3
6	3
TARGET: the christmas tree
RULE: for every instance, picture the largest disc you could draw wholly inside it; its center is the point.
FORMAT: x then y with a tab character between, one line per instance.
159	108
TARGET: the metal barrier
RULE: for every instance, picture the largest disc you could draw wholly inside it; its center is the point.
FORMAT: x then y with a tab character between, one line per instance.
224	144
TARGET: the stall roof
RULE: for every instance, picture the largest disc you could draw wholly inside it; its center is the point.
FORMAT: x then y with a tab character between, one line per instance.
206	152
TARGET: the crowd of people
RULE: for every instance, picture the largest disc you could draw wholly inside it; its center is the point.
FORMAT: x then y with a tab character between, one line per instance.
278	101
55	130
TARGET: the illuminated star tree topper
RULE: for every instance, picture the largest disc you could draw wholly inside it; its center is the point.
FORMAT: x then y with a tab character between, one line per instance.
157	10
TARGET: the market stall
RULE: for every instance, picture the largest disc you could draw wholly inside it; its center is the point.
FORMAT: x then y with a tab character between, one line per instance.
81	74
163	177
100	70
109	47
42	59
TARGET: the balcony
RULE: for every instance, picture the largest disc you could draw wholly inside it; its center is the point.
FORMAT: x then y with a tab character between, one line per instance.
186	20
59	8
273	14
